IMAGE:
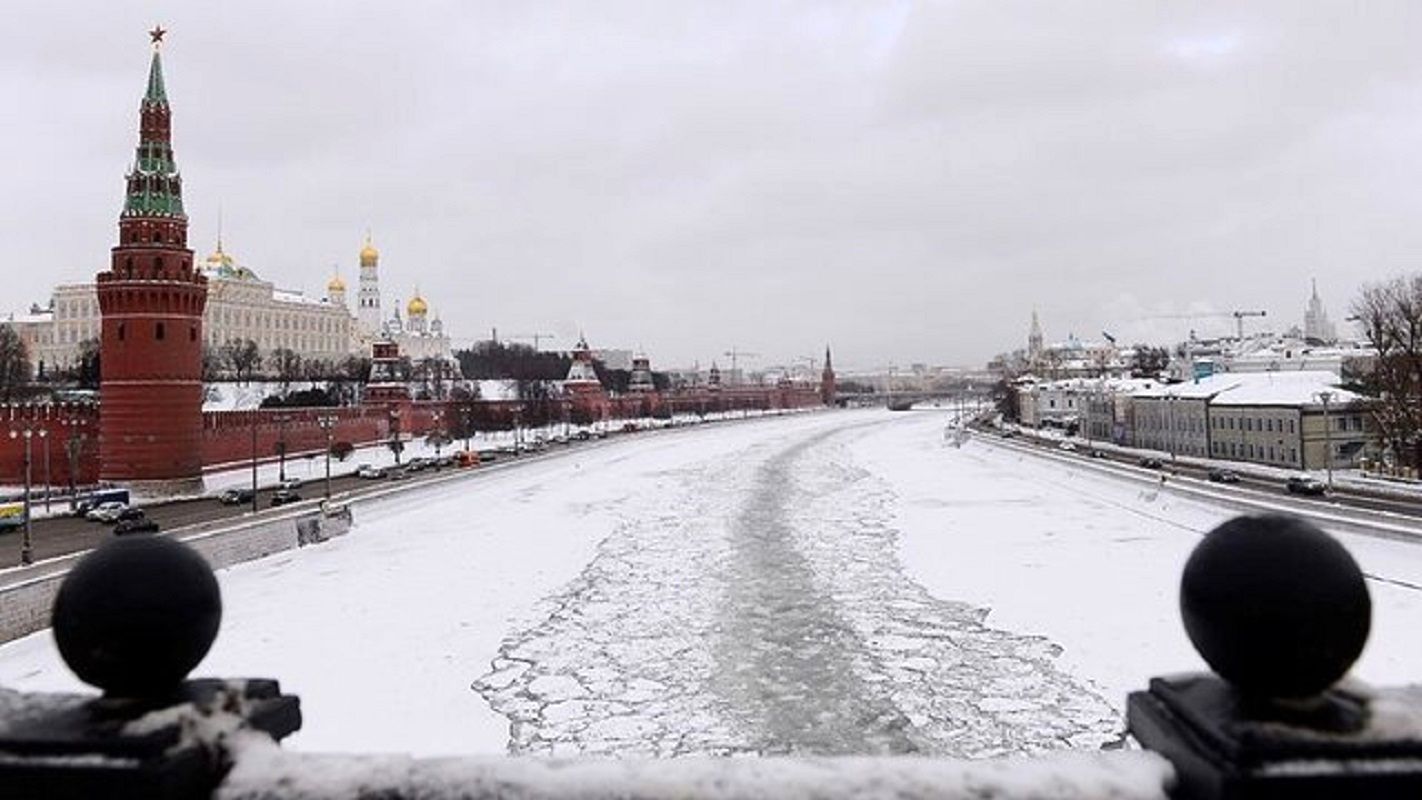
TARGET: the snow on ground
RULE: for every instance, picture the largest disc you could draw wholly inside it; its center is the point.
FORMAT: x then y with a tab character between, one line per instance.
847	582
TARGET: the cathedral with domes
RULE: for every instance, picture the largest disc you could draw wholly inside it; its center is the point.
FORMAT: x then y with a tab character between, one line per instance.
418	336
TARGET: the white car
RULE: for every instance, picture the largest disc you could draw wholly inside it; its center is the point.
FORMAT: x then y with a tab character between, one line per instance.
1066	446
370	472
107	512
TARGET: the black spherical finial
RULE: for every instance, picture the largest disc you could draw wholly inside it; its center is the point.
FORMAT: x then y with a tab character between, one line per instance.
1276	606
135	616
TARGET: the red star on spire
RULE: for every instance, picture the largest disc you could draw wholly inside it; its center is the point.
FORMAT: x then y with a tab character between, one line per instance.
157	35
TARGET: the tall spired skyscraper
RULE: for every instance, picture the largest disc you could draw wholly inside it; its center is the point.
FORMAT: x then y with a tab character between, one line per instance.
151	299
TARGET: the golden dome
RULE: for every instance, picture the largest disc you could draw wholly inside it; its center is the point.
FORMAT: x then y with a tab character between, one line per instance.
219	258
417	306
368	254
336	284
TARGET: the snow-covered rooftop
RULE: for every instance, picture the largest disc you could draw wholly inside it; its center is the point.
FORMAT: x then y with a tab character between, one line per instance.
1201	389
287	296
1284	389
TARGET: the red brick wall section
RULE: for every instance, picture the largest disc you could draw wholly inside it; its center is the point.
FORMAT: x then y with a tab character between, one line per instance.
226	439
227	435
63	423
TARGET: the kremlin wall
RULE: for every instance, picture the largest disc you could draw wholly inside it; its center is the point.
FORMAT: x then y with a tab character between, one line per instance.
149	432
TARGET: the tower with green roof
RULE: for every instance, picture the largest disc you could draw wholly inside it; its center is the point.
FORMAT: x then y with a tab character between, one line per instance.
151	300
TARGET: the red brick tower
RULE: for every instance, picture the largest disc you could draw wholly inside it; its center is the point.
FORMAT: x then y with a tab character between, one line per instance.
151	299
828	389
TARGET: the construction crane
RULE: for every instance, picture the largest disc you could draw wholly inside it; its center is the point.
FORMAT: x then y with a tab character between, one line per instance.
1239	321
536	338
1237	314
735	354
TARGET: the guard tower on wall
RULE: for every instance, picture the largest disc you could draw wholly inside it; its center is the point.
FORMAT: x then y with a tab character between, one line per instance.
151	301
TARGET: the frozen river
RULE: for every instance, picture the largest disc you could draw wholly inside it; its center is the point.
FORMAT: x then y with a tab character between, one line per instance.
831	583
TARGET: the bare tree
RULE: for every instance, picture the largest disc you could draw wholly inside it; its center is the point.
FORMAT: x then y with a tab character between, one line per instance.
14	362
1391	315
87	370
286	363
243	356
213	364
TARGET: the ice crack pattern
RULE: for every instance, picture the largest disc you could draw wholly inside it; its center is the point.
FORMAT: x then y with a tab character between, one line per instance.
759	607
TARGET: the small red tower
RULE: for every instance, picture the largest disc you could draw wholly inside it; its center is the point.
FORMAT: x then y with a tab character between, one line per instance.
151	300
828	390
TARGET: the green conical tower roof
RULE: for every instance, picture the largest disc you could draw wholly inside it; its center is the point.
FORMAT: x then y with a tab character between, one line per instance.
155	92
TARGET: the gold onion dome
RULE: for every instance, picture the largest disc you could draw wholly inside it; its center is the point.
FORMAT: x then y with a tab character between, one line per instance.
417	306
368	254
336	284
219	258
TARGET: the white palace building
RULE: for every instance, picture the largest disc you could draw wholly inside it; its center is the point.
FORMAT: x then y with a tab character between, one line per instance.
241	305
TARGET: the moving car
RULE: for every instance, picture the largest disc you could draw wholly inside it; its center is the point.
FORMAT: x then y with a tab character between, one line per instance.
106	512
129	513
1306	484
282	497
138	524
1222	475
1149	462
236	497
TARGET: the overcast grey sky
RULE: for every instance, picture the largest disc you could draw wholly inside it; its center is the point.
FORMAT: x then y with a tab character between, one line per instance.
903	180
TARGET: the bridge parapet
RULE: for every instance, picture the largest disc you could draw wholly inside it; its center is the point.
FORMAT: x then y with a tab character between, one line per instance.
1278	609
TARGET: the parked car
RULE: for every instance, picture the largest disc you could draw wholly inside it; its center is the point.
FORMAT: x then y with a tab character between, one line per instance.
487	455
466	458
397	474
1149	462
138	524
98	497
1099	454
106	512
629	427
282	497
1223	475
1067	446
369	472
1306	484
416	464
236	497
290	485
583	436
444	461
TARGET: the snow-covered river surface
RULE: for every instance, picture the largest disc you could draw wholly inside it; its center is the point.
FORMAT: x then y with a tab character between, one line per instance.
832	583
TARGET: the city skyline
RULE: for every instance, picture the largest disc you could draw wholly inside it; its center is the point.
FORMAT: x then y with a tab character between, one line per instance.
766	180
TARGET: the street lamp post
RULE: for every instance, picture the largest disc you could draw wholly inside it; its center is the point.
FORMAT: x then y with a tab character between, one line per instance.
1325	397
395	445
73	448
27	555
255	416
47	489
1170	424
281	447
438	417
328	424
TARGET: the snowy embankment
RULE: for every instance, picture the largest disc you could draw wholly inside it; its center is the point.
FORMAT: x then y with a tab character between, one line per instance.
844	583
